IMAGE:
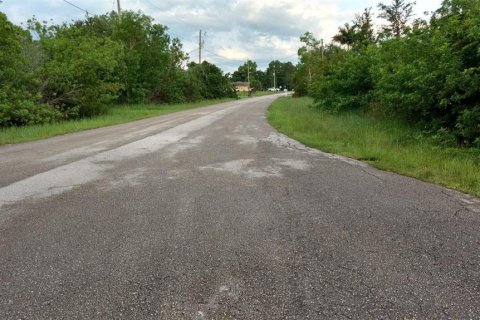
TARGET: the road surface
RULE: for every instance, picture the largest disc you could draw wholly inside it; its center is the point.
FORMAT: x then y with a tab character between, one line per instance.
212	214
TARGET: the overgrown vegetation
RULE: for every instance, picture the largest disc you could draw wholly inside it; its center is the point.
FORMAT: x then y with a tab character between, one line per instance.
81	69
114	115
386	143
425	73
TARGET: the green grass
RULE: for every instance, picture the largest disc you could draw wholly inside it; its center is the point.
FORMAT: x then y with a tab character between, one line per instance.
386	144
116	115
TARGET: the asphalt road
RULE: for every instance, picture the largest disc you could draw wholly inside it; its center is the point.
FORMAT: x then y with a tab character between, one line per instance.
212	214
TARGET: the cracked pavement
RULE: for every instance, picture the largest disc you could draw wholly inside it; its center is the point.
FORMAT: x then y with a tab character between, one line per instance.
211	214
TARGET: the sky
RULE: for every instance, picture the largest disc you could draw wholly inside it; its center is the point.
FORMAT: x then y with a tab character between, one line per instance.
235	30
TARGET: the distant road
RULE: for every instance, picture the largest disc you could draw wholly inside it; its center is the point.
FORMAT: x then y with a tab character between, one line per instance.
212	214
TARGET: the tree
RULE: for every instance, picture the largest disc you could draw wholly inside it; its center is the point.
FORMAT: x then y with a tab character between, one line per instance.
457	21
358	35
146	54
314	60
15	78
397	14
364	34
284	73
428	75
346	35
245	72
79	74
263	78
19	85
346	84
310	56
211	80
79	69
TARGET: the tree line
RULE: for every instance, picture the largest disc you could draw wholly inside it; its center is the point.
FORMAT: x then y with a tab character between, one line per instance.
277	74
425	72
54	72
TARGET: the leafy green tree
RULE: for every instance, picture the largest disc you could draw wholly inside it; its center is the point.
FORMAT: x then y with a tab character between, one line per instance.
150	60
410	74
11	76
19	87
346	35
213	83
263	78
427	74
364	33
310	65
169	83
284	74
78	69
310	53
432	75
245	71
346	85
358	35
397	14
78	72
458	21
146	54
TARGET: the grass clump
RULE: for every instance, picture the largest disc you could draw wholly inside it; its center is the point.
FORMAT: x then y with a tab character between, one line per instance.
387	144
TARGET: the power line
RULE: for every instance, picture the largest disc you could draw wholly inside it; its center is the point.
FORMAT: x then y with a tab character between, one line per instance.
226	59
75	6
242	60
154	5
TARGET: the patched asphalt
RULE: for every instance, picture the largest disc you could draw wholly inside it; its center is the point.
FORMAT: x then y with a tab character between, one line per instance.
212	214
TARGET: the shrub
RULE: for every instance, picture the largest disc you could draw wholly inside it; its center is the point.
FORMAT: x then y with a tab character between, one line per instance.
346	85
24	113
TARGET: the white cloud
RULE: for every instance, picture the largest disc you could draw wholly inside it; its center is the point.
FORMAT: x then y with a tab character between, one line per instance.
234	54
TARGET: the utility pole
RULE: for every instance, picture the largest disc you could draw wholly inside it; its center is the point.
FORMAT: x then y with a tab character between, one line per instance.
248	73
321	47
200	47
274	79
119	8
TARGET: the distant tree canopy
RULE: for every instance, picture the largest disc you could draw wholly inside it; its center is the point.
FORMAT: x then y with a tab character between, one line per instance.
425	72
284	72
244	70
81	68
262	80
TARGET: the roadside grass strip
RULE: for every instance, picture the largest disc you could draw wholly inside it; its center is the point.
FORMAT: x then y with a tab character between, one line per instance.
115	115
386	144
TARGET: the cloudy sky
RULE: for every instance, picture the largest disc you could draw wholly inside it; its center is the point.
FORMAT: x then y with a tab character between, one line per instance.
236	30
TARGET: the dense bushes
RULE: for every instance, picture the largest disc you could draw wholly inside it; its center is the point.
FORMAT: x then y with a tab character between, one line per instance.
428	73
79	69
25	112
79	74
212	83
410	75
346	84
18	86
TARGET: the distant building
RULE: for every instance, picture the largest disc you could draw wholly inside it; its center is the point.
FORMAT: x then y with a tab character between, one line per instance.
242	86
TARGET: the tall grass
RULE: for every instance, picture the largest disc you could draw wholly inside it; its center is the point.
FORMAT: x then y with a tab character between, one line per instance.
115	115
384	143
